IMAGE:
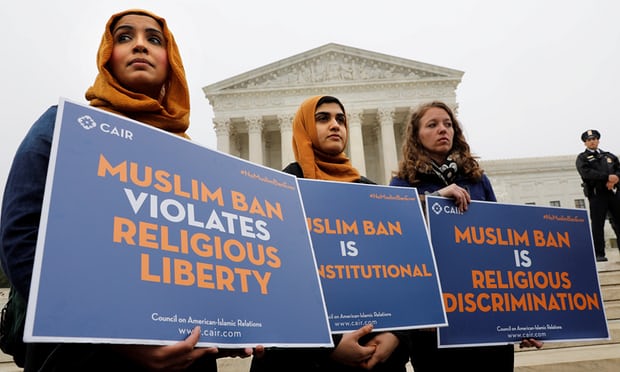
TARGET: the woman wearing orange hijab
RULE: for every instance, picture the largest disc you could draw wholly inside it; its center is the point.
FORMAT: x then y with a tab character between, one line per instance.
141	76
319	140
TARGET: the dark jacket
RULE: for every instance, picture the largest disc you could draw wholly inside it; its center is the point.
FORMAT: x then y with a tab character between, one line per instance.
295	170
22	202
481	190
594	169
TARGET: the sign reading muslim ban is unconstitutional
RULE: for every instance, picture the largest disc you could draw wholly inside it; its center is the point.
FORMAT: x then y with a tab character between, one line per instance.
145	235
510	272
374	256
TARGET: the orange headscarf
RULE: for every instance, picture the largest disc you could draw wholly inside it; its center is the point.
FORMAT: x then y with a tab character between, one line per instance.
171	114
315	163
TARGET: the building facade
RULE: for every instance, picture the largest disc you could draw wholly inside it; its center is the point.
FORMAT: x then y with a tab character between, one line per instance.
253	115
253	111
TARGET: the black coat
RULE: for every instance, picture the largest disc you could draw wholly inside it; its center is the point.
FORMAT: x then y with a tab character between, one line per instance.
595	168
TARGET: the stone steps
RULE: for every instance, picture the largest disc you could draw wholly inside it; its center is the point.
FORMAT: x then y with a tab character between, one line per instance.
597	355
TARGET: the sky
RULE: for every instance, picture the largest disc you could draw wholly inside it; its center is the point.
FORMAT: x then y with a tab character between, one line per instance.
537	73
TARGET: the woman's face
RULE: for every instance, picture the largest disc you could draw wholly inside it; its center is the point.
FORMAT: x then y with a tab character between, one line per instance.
436	133
139	58
331	128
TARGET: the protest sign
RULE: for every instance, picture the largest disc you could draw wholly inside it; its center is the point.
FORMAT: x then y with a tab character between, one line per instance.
510	272
373	255
145	235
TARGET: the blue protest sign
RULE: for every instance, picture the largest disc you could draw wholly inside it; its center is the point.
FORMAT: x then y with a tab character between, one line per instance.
145	235
373	255
510	272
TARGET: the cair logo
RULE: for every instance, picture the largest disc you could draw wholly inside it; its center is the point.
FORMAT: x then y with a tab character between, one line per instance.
88	123
438	209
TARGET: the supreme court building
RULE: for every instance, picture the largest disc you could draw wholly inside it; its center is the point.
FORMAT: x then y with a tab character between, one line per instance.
253	114
253	111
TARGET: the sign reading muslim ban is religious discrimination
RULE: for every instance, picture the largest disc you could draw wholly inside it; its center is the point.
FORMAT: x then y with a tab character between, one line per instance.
145	235
510	272
374	256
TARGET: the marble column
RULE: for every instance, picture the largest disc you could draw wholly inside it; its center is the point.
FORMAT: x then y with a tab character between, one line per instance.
222	132
388	144
356	141
255	136
286	139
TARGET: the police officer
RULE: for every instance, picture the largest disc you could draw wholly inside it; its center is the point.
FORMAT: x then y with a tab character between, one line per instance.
600	172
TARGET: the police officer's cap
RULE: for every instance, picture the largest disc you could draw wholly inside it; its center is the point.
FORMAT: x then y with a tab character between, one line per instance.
590	133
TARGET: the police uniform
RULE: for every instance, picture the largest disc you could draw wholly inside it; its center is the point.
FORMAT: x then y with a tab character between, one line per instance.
594	167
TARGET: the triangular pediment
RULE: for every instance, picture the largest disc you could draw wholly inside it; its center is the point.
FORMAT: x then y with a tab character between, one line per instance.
333	64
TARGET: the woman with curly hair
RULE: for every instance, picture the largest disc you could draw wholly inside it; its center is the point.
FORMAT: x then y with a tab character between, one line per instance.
437	161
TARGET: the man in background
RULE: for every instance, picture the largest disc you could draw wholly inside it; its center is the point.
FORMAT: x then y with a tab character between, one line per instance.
600	172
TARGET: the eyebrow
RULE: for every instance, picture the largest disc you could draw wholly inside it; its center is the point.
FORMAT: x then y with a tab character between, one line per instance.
130	27
327	113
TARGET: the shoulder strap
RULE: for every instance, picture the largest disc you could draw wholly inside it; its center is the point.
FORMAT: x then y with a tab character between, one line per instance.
12	327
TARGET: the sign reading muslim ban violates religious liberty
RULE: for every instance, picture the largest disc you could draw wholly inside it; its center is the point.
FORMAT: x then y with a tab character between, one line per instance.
510	272
374	256
145	235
